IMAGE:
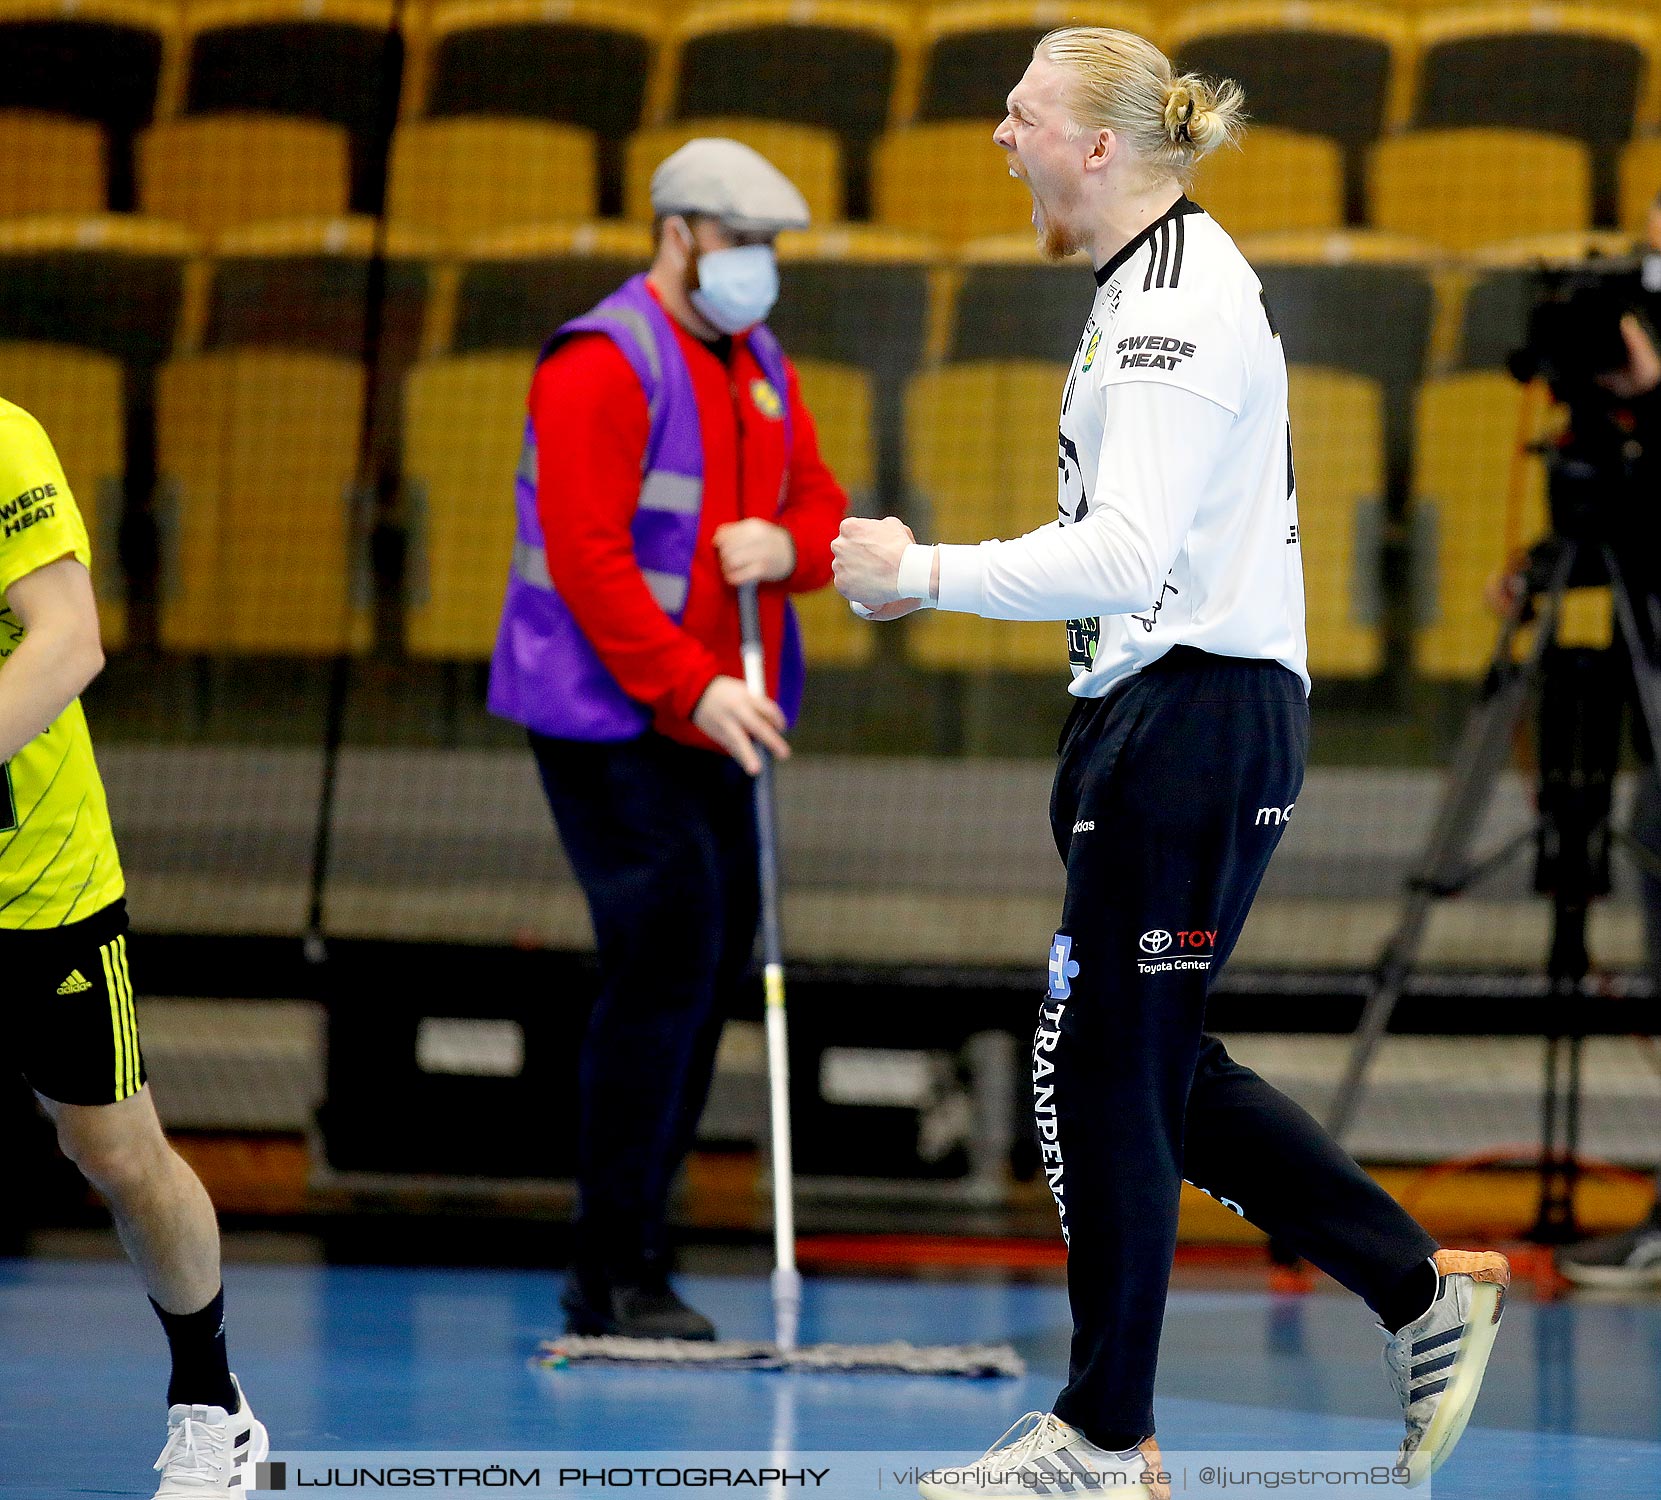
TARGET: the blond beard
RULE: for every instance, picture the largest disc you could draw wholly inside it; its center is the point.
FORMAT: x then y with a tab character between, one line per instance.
1055	242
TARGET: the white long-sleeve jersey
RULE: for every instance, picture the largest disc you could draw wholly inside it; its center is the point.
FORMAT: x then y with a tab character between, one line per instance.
1178	507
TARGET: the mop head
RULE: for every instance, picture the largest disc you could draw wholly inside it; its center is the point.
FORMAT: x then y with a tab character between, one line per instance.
972	1361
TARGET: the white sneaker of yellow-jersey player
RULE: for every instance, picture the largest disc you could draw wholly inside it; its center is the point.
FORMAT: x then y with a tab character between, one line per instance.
211	1451
1042	1455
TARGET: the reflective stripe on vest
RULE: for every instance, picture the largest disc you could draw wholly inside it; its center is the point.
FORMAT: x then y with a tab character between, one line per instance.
531	564
640	326
679	494
660	490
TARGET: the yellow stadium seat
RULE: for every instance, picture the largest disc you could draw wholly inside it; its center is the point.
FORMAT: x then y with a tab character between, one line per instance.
472	175
314	285
863	297
228	45
839	397
1576	70
1478	497
1008	302
980	456
258	456
1467	187
336	62
50	164
857	294
947	180
1279	180
1549	249
307	284
1338	457
92	60
1640	182
832	635
1582	71
517	286
1287	53
464	426
810	156
218	172
78	52
841	65
975	51
77	397
1347	247
836	63
1355	301
583	62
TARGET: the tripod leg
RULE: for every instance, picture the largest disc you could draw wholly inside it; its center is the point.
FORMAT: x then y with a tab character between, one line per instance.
1555	1222
1485	746
1444	868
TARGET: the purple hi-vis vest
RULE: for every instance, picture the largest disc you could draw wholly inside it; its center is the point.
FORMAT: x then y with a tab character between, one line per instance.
544	674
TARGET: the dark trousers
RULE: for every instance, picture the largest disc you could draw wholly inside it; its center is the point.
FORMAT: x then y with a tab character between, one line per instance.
662	838
1170	797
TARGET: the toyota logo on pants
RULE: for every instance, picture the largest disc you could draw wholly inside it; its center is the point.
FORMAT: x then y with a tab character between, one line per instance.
1156	941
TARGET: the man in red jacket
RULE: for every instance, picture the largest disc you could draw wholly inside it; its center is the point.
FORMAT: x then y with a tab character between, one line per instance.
669	459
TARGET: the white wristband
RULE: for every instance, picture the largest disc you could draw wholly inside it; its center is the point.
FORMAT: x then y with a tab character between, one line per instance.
916	579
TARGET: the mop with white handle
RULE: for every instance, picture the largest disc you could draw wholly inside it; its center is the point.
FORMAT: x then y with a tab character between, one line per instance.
975	1360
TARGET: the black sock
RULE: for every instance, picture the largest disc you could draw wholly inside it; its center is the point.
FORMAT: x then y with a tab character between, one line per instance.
1409	1299
1114	1442
201	1370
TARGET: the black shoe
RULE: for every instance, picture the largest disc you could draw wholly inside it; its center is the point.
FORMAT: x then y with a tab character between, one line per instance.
1628	1260
632	1312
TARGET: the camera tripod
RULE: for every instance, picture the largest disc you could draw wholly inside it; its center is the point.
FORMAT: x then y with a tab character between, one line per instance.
1579	735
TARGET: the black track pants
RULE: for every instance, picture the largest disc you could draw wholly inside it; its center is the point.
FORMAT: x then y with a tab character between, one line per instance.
1169	799
663	840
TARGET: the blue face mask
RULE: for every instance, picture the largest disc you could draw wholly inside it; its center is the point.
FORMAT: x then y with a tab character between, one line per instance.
736	288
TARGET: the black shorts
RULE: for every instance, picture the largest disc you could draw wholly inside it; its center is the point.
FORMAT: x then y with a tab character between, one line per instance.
70	1001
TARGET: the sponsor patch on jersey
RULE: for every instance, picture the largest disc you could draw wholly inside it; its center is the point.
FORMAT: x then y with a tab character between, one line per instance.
1090	352
1083	638
37	504
1153	351
766	399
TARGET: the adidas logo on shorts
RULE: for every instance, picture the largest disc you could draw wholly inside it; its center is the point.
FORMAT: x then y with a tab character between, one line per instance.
76	984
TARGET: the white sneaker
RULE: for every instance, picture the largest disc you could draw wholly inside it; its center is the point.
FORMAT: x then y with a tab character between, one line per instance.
211	1451
1436	1364
1051	1458
1625	1261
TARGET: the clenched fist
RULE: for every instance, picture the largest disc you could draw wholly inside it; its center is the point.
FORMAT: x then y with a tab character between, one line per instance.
866	566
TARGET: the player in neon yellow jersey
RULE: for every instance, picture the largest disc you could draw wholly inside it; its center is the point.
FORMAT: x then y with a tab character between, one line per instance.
63	951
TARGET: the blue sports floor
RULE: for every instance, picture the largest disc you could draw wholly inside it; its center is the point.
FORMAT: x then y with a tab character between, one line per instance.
377	1359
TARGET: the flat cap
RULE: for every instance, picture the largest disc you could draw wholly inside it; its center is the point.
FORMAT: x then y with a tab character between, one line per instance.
728	181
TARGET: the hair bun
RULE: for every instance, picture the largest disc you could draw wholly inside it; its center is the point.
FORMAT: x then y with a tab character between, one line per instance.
1181	103
1118	81
1200	116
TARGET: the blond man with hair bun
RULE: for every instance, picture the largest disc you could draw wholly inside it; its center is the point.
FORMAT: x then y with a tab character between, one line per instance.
1175	562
